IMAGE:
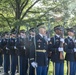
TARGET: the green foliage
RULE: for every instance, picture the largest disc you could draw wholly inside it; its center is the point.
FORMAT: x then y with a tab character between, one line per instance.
15	13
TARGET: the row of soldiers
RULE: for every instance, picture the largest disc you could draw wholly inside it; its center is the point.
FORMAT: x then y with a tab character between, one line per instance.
14	49
39	49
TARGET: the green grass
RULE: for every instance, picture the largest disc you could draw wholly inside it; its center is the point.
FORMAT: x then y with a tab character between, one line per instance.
50	71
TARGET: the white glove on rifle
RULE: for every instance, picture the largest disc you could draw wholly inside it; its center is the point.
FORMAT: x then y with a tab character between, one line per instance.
75	41
48	39
74	49
15	47
62	40
7	48
34	64
60	49
24	47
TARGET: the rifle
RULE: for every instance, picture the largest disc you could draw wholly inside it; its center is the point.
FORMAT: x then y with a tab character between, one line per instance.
61	46
75	40
61	43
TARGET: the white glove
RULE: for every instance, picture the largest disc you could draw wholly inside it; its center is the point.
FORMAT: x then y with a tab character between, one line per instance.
62	40
75	41
74	49
24	47
34	64
48	39
60	49
7	48
15	47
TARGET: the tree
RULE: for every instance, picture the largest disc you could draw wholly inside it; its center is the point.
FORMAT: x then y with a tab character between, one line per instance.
19	9
31	12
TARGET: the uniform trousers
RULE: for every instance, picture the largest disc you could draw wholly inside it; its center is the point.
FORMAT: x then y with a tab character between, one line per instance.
23	65
13	64
41	70
31	70
71	68
58	68
1	59
6	63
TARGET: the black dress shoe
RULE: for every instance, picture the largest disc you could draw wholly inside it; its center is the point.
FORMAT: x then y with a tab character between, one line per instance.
6	73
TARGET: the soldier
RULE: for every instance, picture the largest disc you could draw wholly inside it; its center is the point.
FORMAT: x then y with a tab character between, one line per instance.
22	45
55	49
31	49
13	52
39	58
5	48
70	49
1	58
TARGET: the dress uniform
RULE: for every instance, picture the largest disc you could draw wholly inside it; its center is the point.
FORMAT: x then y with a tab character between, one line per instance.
40	54
53	47
31	50
22	45
1	58
13	52
69	49
5	47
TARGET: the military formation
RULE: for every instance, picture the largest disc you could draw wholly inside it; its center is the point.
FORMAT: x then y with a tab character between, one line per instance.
30	55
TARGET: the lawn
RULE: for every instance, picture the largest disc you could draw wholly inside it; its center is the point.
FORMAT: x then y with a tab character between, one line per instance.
50	71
